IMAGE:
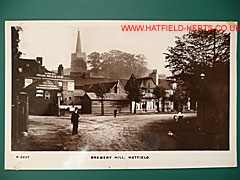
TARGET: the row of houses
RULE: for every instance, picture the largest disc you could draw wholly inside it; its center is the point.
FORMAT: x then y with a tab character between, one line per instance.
116	95
50	92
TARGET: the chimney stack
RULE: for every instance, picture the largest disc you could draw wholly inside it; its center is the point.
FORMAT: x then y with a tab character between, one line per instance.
60	70
154	76
40	60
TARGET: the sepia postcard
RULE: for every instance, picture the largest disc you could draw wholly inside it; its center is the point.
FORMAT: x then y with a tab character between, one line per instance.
120	94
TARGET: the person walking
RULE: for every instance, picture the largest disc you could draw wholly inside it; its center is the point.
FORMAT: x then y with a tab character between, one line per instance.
74	121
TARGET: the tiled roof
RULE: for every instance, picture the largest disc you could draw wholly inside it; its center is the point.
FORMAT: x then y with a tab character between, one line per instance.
138	81
78	93
108	96
166	84
33	65
93	87
79	81
123	82
43	84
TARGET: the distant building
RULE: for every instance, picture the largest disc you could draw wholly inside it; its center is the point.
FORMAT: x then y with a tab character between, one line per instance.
148	101
169	87
116	97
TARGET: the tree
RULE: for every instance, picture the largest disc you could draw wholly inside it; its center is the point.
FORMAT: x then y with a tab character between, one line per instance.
134	92
160	92
15	81
197	52
16	54
117	64
100	93
94	61
207	53
179	98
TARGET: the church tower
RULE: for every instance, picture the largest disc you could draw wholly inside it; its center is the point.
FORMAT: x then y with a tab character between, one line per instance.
78	58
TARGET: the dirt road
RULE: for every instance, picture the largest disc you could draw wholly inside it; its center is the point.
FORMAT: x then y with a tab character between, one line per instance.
101	133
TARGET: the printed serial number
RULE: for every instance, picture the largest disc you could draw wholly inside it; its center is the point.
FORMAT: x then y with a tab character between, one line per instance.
22	157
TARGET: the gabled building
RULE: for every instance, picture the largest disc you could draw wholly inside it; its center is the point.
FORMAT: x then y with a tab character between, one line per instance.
43	97
148	101
146	85
45	89
115	97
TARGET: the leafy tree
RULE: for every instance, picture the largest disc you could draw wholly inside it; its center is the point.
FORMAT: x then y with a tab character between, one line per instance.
134	92
206	52
117	64
16	54
94	61
160	92
179	98
100	93
197	52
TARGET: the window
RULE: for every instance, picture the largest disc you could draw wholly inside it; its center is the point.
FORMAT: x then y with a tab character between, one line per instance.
47	95
60	83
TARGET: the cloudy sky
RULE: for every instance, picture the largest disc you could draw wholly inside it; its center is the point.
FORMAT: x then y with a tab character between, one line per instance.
56	40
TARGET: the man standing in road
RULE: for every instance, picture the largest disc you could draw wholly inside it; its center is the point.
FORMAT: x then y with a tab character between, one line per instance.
115	112
74	121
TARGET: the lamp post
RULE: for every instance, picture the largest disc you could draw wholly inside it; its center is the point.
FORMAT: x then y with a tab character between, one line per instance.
59	95
201	111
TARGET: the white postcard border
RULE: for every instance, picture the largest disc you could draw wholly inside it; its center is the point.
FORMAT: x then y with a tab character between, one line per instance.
157	159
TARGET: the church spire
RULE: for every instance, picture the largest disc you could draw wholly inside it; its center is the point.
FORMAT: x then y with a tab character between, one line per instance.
78	47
